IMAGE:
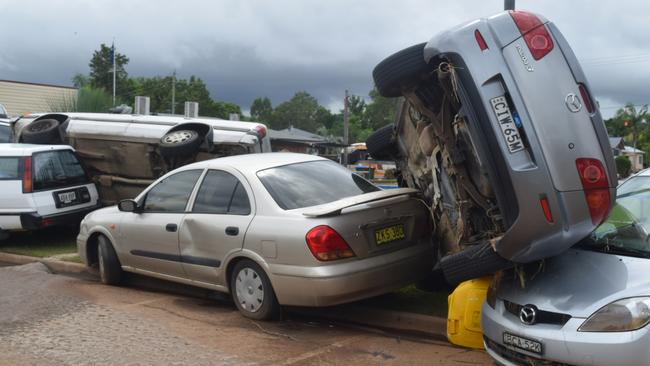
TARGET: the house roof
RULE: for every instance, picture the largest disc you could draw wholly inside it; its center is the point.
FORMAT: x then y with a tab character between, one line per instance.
631	150
296	135
616	142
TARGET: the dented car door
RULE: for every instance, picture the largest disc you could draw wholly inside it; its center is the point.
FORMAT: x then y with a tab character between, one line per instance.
216	225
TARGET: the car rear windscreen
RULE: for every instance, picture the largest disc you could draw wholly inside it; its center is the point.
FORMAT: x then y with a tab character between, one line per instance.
5	134
312	183
57	169
9	168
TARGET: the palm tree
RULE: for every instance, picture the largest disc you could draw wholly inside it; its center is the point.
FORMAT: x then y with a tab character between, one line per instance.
633	118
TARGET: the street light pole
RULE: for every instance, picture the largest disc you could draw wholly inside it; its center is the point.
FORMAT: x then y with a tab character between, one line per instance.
173	92
346	126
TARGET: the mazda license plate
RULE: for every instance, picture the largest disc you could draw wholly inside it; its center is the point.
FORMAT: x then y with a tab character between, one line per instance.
390	234
507	124
522	343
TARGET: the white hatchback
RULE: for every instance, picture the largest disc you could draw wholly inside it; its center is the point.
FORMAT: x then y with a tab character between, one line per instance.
42	186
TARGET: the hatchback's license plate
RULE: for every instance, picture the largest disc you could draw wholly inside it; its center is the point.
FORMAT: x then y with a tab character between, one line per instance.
389	234
507	124
522	343
67	197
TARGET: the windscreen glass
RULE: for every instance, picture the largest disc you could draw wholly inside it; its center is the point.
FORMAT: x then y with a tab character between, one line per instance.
627	229
57	169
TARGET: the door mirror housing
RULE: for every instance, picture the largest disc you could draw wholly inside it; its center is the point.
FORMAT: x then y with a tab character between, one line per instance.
128	206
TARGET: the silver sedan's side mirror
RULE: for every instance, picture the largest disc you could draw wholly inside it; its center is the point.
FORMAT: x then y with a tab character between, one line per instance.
128	206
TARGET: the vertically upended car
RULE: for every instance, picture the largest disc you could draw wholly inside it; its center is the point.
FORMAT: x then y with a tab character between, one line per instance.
499	130
272	229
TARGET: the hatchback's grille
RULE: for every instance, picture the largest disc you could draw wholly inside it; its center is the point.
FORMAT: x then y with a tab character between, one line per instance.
543	317
519	358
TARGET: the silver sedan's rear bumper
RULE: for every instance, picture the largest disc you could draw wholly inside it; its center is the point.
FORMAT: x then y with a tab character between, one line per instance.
351	280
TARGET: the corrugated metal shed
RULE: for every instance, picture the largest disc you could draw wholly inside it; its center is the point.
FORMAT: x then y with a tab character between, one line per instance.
21	98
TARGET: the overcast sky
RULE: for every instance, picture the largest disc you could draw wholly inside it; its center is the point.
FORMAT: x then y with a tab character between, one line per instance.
243	49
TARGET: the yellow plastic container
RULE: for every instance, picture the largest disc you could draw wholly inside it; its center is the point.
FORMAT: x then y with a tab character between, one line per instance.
464	316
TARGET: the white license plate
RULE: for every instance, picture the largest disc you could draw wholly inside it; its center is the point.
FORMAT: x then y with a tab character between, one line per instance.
507	124
67	197
522	343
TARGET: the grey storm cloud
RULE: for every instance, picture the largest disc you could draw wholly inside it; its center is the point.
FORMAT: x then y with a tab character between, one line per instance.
243	49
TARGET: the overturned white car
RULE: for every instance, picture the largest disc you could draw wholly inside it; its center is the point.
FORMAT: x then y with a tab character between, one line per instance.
126	153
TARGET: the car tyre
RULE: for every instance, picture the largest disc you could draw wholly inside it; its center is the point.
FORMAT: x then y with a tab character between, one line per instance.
400	71
252	292
381	144
44	131
180	143
474	262
110	270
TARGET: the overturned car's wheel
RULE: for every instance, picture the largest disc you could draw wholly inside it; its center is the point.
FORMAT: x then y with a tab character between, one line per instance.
381	144
181	143
473	262
401	71
110	270
252	291
45	131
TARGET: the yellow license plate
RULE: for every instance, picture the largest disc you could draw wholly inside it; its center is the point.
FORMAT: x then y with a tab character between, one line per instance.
388	234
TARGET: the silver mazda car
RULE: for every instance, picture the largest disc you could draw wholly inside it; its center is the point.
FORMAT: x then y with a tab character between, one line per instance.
588	306
499	131
271	229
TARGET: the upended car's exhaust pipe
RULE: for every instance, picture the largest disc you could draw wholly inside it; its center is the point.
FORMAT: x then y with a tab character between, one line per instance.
474	262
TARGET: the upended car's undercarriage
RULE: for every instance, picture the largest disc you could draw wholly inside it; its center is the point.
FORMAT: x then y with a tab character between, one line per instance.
439	158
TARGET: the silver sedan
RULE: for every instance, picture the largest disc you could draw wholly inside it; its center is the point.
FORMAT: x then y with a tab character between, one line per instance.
272	229
588	306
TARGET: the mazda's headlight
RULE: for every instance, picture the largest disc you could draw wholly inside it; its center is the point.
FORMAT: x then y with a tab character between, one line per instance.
619	316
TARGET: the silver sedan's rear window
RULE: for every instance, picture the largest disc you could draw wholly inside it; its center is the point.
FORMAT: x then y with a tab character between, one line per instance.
312	183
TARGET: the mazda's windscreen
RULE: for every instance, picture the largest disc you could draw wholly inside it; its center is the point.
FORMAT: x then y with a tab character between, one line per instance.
312	183
627	229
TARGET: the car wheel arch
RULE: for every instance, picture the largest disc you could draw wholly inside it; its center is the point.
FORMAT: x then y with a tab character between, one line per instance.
92	244
245	255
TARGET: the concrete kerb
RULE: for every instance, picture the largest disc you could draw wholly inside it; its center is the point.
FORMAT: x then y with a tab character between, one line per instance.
410	323
54	265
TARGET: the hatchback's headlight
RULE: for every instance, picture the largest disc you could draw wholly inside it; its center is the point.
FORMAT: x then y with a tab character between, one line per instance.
619	316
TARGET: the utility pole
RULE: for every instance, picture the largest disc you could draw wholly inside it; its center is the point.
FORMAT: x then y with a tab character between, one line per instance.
114	70
508	4
346	126
174	92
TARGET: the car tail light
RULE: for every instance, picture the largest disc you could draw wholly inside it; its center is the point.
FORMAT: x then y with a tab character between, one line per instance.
479	39
596	187
260	131
326	244
536	36
546	208
586	98
47	222
28	185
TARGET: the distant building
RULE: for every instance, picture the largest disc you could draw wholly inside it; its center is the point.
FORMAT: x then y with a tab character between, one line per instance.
617	145
300	141
20	97
635	156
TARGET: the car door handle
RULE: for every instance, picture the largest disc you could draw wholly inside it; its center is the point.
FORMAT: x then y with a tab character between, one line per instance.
171	228
232	231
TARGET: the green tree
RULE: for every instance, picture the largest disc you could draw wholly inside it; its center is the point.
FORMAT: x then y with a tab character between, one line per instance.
356	105
380	111
623	166
261	109
101	71
634	121
301	111
80	80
